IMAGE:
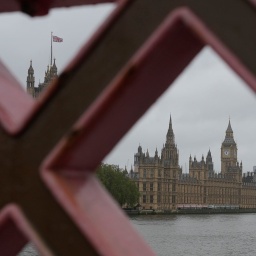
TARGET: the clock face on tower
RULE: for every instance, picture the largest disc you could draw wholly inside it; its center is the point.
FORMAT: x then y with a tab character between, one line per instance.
226	152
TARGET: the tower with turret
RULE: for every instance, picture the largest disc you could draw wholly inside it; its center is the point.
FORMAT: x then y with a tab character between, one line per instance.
229	163
170	155
31	80
198	169
51	73
209	163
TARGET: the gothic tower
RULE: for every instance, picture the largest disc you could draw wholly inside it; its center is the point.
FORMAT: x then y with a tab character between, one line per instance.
209	163
228	151
170	154
54	70
31	80
198	169
229	164
170	165
50	74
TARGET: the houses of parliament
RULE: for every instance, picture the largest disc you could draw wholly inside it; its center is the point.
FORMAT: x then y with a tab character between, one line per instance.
163	185
161	182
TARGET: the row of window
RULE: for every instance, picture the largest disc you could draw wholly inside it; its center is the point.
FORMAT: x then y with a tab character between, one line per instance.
189	189
145	199
150	173
160	199
167	187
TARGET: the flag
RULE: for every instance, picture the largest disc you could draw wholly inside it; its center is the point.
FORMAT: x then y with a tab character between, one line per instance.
57	39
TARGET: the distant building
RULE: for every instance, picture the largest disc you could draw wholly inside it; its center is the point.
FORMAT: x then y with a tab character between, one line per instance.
163	186
50	74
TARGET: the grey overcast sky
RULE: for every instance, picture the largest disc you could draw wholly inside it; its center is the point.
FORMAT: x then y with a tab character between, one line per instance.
200	101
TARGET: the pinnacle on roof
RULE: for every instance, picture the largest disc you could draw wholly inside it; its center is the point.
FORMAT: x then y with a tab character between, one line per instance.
54	67
170	134
31	70
170	124
54	62
229	139
229	129
156	152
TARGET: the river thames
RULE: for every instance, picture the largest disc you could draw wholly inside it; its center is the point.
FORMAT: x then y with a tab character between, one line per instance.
194	235
199	235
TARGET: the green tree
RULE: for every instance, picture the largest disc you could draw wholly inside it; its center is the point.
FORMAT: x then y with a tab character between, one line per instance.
121	187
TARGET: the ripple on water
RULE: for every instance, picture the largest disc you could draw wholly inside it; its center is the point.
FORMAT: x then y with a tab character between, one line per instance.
199	235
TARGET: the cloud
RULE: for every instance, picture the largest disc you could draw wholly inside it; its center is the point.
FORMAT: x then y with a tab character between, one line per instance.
201	100
25	38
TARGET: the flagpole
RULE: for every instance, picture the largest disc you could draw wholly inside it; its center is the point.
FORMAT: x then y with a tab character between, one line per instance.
51	48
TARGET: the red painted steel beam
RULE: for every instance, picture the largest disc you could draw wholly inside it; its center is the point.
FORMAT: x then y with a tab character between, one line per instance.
49	149
42	7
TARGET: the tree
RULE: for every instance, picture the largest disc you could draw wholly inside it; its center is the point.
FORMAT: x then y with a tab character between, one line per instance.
119	185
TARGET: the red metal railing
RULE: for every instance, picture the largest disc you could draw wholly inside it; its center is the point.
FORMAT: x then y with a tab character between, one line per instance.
49	193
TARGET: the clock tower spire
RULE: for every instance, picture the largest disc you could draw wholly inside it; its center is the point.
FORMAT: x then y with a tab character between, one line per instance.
229	153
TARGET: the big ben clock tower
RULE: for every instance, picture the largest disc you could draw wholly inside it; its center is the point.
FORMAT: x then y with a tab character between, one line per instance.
228	152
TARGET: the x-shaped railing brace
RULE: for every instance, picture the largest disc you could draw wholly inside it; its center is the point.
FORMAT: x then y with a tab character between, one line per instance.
50	149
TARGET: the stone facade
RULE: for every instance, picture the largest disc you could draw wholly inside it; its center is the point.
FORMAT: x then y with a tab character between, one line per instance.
50	74
163	185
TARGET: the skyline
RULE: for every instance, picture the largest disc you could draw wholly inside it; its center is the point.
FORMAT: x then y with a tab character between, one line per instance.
203	127
201	99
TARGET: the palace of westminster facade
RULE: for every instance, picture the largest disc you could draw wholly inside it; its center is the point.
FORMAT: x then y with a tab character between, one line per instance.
160	180
163	186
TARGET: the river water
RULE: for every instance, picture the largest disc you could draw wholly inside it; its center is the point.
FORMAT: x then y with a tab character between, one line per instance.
194	235
199	235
